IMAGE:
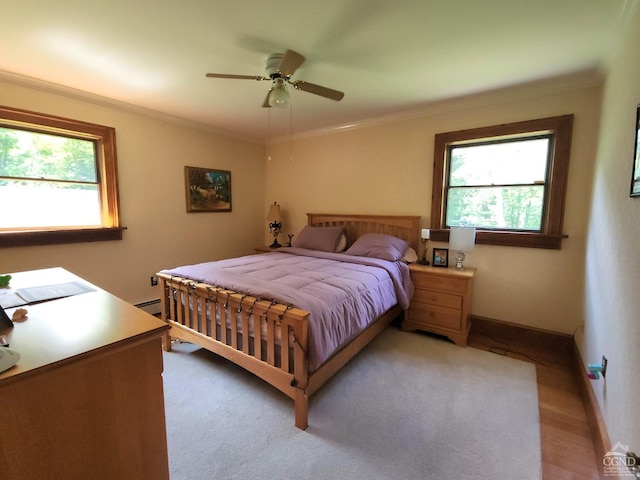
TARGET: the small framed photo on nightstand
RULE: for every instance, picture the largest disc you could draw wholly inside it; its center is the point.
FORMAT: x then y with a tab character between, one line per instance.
441	257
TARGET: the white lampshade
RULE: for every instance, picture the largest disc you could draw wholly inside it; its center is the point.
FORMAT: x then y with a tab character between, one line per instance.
425	233
462	239
274	214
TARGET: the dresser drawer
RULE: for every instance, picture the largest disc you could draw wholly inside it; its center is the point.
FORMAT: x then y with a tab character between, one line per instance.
432	315
441	299
440	282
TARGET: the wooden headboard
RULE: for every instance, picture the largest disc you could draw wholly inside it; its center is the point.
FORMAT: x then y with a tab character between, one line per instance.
406	227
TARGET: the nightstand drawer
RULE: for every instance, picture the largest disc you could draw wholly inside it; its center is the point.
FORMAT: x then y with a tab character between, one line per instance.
432	315
439	282
432	297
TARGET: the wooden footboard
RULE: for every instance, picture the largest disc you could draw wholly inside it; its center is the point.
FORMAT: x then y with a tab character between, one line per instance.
266	338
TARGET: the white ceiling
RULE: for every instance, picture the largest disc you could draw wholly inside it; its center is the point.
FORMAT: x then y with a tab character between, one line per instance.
388	57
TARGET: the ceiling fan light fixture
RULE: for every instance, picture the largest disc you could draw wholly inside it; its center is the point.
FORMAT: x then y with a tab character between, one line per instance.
279	96
280	67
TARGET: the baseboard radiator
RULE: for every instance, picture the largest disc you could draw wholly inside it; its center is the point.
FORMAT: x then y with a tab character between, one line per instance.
152	306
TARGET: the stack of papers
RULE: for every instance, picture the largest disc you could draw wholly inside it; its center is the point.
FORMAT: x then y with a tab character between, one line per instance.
26	296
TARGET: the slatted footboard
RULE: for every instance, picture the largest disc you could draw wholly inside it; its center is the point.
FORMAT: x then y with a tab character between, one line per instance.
266	338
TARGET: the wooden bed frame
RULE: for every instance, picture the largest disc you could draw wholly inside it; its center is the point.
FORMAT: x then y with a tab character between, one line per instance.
277	341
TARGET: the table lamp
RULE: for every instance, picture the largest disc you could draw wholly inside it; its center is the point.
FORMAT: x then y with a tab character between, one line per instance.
462	239
275	226
424	235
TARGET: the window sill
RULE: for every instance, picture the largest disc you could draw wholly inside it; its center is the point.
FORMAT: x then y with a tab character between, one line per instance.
56	237
508	239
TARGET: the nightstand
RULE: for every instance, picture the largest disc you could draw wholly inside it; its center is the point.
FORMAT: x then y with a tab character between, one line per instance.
265	249
441	303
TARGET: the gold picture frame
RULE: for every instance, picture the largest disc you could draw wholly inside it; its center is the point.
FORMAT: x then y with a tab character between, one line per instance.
207	189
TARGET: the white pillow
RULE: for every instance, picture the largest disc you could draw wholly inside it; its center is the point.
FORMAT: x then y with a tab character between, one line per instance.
410	256
342	243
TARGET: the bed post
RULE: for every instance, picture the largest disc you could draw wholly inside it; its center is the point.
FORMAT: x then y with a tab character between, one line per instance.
166	342
301	402
164	288
301	374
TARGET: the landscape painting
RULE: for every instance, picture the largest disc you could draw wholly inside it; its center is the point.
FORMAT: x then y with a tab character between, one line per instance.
208	190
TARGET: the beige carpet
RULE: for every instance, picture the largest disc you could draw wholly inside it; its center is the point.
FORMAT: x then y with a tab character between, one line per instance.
409	406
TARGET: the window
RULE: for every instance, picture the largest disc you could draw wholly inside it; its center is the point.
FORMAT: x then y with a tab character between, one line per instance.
487	189
59	177
508	181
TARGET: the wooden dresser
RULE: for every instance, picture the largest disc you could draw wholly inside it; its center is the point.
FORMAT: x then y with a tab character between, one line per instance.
86	398
442	302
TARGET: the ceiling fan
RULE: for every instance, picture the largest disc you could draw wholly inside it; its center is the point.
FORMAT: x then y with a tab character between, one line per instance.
280	67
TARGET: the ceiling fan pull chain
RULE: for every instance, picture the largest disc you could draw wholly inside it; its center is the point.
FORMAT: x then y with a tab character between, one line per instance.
291	134
269	136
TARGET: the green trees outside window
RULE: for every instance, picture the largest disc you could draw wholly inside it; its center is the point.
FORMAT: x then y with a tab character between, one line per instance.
49	180
498	185
508	180
58	180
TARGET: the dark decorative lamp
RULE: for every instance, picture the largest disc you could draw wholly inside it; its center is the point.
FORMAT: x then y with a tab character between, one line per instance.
276	225
462	239
425	233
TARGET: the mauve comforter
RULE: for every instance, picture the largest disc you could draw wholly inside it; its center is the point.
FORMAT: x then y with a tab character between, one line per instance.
343	293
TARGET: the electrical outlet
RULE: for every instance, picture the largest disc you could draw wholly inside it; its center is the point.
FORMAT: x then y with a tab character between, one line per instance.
154	280
604	366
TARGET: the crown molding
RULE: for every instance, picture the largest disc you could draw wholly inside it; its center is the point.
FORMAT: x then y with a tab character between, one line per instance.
29	82
585	79
548	86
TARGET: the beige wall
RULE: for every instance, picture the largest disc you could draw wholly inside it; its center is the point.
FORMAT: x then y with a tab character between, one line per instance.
387	168
160	234
612	282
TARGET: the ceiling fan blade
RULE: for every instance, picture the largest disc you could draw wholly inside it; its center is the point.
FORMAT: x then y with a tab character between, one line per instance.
265	104
236	77
291	61
318	90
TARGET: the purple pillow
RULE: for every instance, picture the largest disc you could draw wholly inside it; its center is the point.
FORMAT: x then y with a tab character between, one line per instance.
379	245
318	238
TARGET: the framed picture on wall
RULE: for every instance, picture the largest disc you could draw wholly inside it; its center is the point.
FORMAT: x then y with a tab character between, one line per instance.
441	257
208	190
635	174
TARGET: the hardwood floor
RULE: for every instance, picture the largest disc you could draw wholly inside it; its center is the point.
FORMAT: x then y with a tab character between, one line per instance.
568	452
